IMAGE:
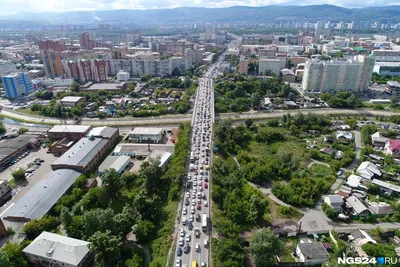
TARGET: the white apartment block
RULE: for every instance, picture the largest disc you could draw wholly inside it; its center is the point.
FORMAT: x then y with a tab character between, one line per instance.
6	67
272	64
338	75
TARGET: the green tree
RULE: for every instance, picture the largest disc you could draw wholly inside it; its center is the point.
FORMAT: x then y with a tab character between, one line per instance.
4	260
264	246
112	182
18	175
151	172
144	231
106	247
14	254
35	227
22	130
74	87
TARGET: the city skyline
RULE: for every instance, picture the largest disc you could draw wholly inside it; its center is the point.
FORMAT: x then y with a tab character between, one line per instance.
12	7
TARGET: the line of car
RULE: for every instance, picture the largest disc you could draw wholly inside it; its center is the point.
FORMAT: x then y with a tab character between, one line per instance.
196	195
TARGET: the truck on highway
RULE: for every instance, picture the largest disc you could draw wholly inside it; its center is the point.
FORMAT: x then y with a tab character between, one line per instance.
204	222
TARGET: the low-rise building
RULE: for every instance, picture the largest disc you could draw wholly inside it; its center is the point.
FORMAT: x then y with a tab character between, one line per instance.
49	249
334	201
357	207
71	132
344	136
386	187
5	192
42	196
61	146
355	182
392	147
381	208
287	75
118	163
378	139
162	156
72	101
368	170
147	135
108	87
83	156
312	253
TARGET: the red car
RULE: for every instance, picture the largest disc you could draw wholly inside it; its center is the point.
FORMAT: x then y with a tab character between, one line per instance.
196	172
205	185
198	206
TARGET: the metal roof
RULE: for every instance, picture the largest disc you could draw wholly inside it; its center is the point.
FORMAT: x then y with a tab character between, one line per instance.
313	251
82	152
103	132
59	248
386	185
69	128
18	142
114	162
146	130
162	155
72	98
41	197
356	204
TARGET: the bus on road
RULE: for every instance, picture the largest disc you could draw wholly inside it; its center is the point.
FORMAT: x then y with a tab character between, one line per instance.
204	223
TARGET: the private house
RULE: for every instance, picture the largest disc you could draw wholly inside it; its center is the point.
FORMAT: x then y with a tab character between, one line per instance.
359	238
381	208
356	182
378	140
312	253
334	201
357	207
368	170
387	188
392	147
345	137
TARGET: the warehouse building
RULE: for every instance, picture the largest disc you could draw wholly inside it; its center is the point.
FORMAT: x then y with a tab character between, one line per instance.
118	163
42	196
83	156
71	132
72	101
12	148
147	135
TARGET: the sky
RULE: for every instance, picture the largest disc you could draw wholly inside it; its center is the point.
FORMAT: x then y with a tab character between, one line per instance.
37	6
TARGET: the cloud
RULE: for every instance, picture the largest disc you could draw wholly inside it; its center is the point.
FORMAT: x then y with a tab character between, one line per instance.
13	6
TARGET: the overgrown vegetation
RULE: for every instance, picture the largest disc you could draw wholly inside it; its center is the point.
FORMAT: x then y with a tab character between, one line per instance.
236	92
342	100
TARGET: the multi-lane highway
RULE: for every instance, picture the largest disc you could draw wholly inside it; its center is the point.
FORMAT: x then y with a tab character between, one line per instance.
193	235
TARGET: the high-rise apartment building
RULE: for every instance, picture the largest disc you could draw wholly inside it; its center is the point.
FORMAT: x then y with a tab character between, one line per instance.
17	84
84	39
52	63
99	70
54	45
338	75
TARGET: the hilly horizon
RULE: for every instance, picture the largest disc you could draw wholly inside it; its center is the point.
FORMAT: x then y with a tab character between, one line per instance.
234	14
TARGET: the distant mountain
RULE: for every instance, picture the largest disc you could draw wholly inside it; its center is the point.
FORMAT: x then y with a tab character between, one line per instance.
236	14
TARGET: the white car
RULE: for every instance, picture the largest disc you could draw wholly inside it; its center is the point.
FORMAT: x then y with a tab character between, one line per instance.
187	238
182	232
181	242
184	211
191	218
178	262
205	204
192	210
